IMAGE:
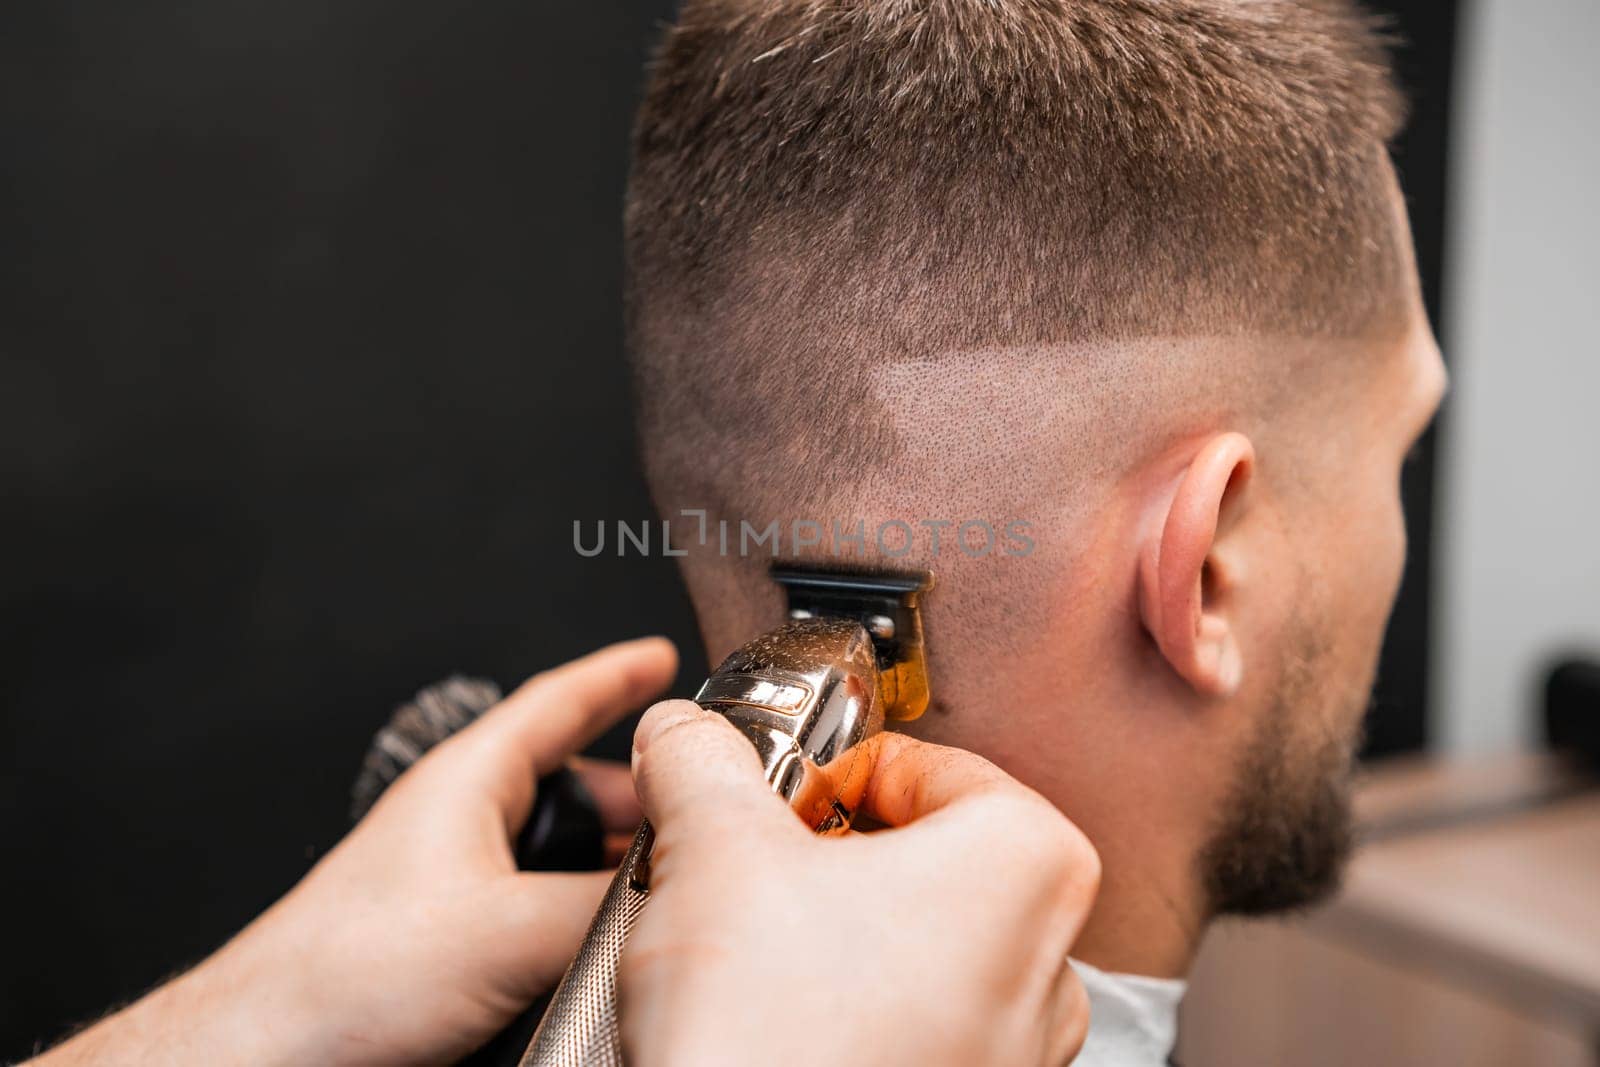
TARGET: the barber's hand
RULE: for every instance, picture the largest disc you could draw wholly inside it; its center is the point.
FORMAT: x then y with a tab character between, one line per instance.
416	939
942	940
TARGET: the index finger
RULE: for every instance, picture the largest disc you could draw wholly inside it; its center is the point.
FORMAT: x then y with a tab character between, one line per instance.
550	716
556	713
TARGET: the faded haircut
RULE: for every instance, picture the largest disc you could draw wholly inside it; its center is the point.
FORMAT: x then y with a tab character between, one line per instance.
822	187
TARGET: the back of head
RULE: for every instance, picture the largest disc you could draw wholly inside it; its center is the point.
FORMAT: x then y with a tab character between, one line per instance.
896	266
918	260
1018	291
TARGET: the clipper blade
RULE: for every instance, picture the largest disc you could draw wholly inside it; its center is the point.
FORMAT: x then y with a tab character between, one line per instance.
888	605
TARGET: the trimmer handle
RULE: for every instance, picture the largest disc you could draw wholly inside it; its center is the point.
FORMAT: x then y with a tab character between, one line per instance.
580	1026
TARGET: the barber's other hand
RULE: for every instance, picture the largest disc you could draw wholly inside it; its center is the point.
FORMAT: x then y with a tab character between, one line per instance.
416	939
941	940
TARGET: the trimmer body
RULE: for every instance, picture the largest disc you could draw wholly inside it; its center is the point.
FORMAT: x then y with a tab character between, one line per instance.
807	695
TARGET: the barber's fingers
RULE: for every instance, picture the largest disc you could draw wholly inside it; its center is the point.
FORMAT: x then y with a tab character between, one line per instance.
527	927
973	808
913	779
611	785
699	779
1066	1016
556	713
551	716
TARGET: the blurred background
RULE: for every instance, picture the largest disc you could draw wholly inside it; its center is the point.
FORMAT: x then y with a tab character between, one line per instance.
310	353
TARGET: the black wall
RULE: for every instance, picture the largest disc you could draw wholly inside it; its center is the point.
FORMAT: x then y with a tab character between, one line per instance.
311	356
311	353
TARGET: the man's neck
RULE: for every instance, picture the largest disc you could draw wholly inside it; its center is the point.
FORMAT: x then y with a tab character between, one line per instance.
1140	924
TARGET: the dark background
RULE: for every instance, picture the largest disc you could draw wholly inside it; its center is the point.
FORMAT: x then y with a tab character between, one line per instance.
311	355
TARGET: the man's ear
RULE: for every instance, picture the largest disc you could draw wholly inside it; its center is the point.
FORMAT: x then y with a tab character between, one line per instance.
1184	575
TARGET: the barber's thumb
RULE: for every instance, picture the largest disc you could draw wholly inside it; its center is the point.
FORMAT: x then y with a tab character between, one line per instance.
692	767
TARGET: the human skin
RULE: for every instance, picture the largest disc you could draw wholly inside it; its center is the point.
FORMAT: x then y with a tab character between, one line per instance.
416	939
941	938
1222	576
1256	555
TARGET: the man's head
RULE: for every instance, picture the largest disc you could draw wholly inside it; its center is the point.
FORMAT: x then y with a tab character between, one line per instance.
1120	292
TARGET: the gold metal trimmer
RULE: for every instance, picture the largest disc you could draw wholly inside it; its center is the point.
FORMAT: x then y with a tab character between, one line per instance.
806	695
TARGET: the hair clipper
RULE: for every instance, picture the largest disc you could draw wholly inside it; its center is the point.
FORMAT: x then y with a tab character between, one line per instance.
806	695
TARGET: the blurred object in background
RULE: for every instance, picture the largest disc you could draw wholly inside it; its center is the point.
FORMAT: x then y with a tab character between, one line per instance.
1572	708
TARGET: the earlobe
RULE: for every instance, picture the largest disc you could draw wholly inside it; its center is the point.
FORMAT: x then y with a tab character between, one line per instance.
1181	609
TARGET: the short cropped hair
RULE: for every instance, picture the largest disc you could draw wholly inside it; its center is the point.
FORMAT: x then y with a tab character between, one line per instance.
822	186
